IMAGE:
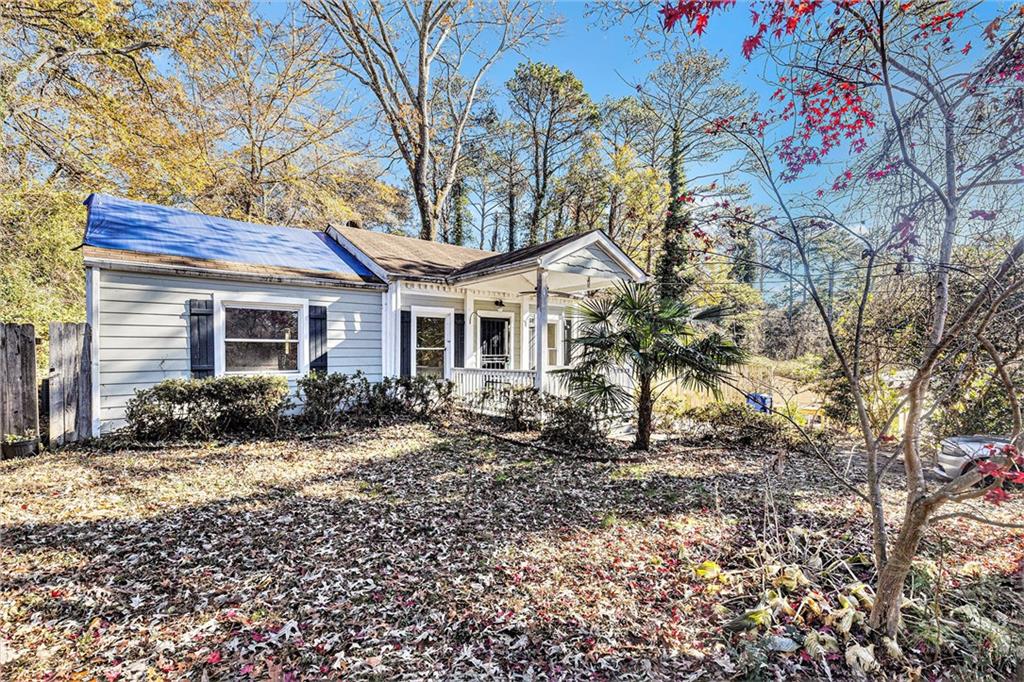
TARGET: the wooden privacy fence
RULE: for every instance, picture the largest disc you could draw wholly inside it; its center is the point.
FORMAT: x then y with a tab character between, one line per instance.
67	389
70	385
19	403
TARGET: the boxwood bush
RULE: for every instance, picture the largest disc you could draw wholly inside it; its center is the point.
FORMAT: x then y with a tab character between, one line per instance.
330	400
200	409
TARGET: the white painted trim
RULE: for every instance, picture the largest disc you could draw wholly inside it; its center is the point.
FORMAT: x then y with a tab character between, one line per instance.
524	332
598	237
456	291
263	302
541	331
606	244
469	349
386	321
557	319
448	314
395	343
92	316
496	314
357	253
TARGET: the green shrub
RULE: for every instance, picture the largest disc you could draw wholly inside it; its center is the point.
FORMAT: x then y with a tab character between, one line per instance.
330	400
326	397
740	425
419	397
569	423
522	407
200	409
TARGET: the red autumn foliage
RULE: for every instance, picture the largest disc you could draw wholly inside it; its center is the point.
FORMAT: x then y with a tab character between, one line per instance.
827	110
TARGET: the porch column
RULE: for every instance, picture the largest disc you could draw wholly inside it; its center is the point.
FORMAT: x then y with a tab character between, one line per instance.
470	349
540	326
524	332
396	331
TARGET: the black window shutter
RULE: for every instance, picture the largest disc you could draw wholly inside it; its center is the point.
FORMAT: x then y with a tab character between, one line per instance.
567	343
460	340
406	343
318	338
200	337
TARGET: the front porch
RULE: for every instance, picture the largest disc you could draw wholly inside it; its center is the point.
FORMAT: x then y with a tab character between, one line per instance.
505	320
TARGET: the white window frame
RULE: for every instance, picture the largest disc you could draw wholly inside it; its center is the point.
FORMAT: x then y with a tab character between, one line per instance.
259	302
500	315
557	319
448	314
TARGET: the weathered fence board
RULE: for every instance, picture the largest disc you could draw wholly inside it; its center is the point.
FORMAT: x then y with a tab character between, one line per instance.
70	383
19	406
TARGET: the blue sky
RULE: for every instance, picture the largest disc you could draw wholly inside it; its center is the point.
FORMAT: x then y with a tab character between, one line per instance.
606	59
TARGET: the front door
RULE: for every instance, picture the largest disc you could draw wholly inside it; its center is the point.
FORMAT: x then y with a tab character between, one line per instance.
494	343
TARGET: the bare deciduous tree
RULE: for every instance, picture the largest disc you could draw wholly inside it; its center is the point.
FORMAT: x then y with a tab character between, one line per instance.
399	51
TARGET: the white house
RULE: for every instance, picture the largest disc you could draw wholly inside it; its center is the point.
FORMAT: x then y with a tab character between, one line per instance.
171	293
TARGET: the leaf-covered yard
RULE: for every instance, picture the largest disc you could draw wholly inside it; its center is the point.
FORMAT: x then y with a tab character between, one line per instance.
424	552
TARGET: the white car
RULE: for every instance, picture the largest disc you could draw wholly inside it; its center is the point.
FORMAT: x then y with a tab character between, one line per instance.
960	454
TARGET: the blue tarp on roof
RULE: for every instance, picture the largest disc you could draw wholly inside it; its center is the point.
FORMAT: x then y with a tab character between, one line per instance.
125	225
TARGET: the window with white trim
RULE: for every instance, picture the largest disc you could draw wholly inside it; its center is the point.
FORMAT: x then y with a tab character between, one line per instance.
262	340
554	345
430	346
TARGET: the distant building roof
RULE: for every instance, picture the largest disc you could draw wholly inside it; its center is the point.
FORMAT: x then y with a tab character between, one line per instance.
133	230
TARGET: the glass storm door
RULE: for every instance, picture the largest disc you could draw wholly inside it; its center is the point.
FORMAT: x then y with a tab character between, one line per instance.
493	343
430	333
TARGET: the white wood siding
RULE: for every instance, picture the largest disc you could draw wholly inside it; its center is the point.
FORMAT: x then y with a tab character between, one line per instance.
144	330
590	260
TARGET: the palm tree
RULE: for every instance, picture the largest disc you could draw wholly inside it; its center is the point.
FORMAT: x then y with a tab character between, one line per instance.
657	340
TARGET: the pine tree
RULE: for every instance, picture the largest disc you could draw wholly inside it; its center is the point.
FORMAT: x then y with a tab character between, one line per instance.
673	274
744	266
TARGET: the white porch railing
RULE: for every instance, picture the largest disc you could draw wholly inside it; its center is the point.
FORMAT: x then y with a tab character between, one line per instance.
472	382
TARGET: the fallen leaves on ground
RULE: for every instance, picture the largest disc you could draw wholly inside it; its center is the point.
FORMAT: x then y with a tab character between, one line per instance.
416	552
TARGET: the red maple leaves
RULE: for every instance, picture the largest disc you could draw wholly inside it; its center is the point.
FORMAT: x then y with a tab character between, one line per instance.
827	112
695	12
1008	470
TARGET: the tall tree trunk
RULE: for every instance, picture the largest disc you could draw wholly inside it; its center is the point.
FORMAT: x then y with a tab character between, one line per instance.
613	212
458	202
534	227
511	217
428	222
645	413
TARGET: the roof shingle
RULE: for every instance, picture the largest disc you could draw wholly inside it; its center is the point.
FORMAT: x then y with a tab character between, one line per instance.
409	257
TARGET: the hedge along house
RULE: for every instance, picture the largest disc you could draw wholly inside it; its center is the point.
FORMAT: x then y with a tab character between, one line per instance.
176	294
